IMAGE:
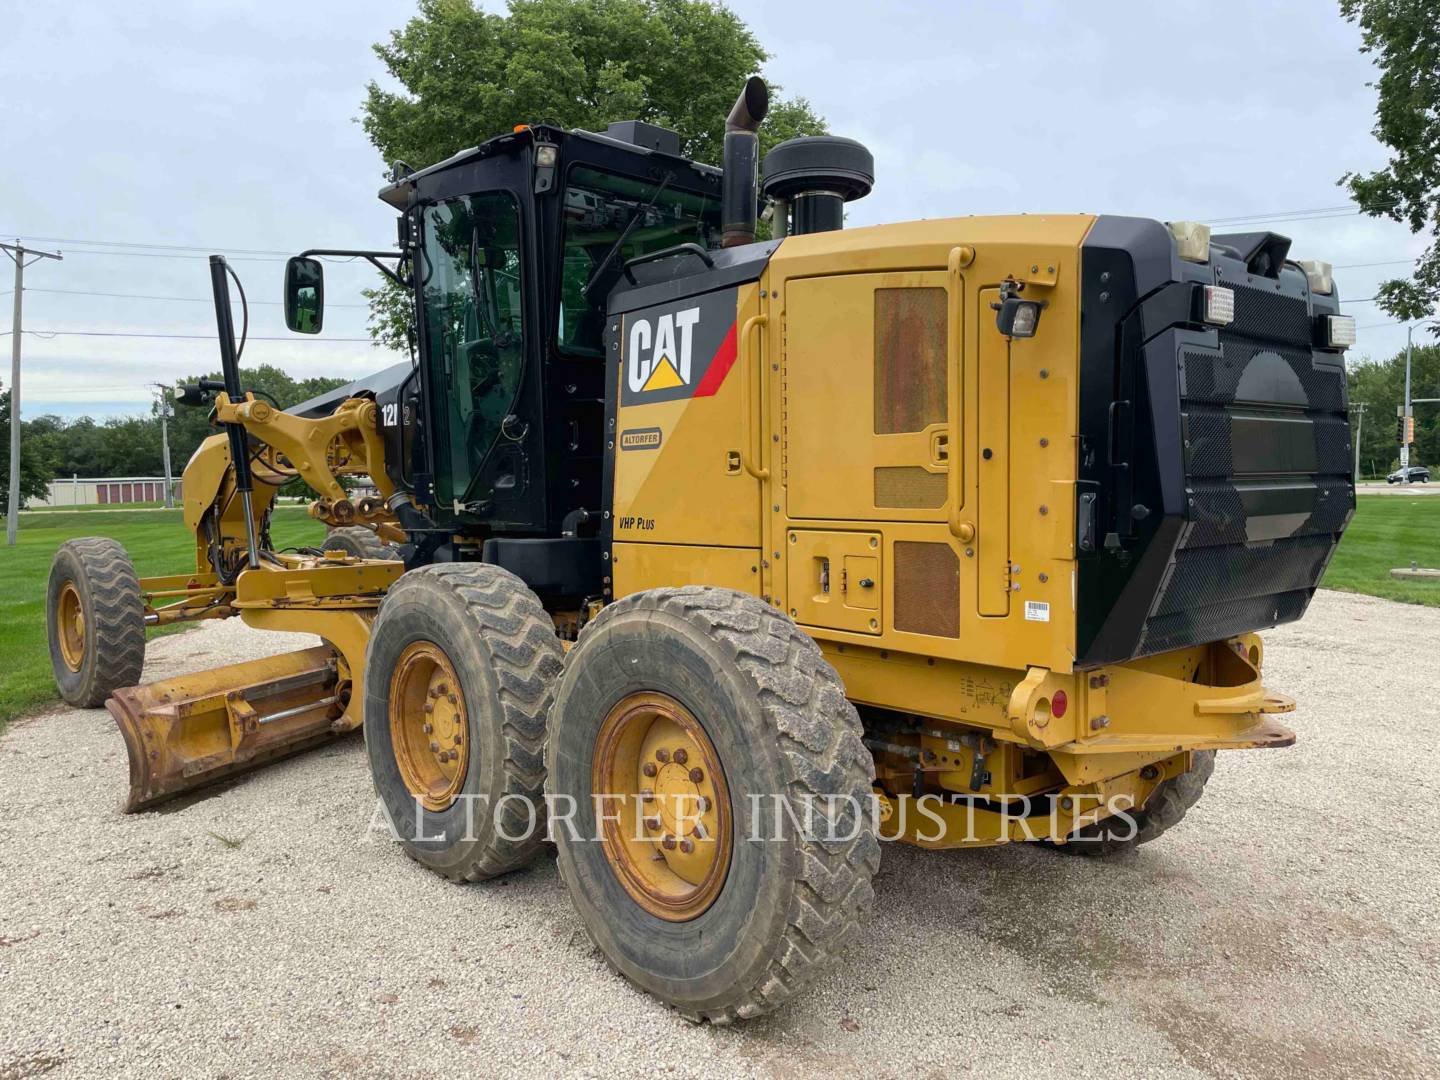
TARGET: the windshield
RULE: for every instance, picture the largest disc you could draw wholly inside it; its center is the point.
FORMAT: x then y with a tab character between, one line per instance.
471	290
598	209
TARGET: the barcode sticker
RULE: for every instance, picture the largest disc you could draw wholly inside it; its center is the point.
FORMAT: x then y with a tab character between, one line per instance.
1037	611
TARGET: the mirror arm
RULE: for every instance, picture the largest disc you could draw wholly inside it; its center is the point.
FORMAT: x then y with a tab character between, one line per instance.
372	257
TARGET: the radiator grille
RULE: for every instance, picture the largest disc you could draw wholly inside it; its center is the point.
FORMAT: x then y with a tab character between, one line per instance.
909	487
910	338
927	589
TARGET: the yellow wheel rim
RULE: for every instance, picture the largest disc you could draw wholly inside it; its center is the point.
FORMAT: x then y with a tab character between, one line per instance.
70	624
666	809
428	726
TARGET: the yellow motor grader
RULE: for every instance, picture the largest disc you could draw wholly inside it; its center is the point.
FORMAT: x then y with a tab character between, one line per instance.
730	559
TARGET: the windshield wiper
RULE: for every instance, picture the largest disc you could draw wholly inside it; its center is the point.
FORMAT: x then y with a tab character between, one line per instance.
640	212
481	304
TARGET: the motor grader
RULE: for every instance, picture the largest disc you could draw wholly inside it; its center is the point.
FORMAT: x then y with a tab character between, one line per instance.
735	557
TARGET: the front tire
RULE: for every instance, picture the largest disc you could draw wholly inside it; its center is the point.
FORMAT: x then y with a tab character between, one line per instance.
734	683
459	676
95	621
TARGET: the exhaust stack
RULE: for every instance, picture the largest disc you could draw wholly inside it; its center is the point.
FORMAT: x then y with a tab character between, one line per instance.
741	163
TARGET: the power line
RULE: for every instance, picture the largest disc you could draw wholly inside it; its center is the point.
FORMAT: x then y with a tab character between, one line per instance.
145	249
1274	214
1362	266
157	247
176	255
181	337
186	299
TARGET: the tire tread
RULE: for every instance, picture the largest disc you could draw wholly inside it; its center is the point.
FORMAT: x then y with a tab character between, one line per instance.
804	702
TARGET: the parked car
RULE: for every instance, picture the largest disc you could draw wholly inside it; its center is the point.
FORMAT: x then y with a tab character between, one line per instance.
1415	474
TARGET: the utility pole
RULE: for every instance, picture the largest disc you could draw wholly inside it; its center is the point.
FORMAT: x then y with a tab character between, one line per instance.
1359	427
1405	414
165	439
17	252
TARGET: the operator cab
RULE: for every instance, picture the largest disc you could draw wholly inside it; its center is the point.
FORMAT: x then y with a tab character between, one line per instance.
509	250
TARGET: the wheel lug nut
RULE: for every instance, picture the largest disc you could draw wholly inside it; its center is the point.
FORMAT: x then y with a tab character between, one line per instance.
646	794
453	699
652	823
434	747
427	728
687	846
681	756
429	706
700	833
442	688
668	843
696	776
702	804
458	740
649	768
662	755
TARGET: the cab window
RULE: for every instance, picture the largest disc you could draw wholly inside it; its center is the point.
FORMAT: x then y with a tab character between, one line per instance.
470	286
601	208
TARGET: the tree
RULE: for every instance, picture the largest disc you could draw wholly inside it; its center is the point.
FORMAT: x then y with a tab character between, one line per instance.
36	470
1404	38
468	75
1380	386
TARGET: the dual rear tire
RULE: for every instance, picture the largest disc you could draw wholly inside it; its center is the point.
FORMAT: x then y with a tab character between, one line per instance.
709	788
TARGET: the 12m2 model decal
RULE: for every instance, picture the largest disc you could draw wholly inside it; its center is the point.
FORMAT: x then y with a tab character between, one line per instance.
678	350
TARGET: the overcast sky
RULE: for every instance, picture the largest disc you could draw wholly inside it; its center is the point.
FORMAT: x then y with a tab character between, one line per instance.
229	127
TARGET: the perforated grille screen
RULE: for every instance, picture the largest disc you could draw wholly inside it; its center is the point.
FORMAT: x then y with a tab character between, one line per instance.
910	328
909	487
927	589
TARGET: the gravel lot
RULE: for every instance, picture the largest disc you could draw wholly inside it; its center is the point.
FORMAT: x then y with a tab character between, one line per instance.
1288	927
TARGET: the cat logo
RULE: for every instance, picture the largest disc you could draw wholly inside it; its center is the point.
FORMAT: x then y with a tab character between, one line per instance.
666	364
679	350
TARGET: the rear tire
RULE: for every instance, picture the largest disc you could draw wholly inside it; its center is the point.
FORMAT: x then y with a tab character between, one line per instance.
95	620
480	626
1166	807
359	542
776	717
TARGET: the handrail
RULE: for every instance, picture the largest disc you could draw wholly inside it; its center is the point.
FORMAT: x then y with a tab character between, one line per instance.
747	412
960	257
694	250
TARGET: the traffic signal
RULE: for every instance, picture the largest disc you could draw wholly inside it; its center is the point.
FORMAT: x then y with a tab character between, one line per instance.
1409	429
1400	430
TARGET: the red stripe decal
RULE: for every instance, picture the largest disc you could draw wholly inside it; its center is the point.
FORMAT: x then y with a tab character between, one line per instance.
720	366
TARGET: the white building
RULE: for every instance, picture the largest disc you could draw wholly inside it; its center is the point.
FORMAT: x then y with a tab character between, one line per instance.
103	490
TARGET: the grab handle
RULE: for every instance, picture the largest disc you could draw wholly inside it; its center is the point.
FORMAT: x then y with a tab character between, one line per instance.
748	379
960	257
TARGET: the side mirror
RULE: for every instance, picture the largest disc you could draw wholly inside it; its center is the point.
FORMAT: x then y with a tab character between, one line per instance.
304	295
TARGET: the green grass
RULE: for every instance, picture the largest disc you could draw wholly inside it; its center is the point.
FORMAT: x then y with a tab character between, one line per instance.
157	542
94	506
1389	531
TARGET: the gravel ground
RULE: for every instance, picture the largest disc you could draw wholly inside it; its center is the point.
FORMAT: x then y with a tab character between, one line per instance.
1288	927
